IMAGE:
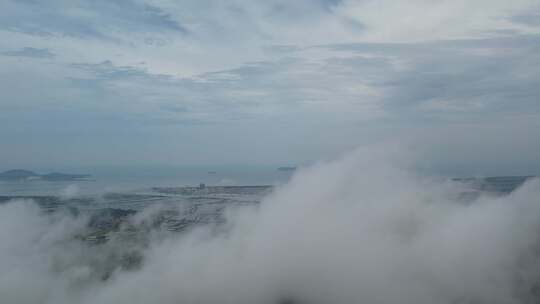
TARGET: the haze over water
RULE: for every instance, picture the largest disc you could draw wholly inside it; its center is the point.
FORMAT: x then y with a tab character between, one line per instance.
127	179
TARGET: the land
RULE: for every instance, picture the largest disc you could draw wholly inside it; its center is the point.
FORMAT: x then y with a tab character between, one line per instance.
26	175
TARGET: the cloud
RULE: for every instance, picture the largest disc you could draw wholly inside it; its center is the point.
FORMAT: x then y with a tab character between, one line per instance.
96	19
363	228
314	67
529	19
461	78
30	52
419	20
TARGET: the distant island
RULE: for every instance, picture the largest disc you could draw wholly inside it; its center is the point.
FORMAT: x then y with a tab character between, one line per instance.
25	175
286	168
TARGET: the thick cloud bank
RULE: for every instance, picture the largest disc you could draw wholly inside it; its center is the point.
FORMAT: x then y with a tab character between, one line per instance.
363	229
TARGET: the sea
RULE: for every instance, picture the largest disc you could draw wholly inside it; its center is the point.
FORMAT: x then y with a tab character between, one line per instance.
140	179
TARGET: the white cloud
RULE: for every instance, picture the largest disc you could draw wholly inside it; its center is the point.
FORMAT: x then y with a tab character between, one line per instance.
424	20
362	229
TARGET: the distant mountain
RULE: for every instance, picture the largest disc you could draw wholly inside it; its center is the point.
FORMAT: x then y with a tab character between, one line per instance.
18	174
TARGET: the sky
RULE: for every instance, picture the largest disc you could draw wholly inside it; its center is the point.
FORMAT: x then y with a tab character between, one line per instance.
163	82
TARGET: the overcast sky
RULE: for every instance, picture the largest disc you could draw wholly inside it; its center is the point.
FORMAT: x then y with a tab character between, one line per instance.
269	82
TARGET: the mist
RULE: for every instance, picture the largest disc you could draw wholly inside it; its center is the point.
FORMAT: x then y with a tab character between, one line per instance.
365	228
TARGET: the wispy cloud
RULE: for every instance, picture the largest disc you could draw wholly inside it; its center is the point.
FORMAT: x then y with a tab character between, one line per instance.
339	68
528	18
29	52
95	19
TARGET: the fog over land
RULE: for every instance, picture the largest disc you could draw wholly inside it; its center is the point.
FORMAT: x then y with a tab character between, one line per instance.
363	228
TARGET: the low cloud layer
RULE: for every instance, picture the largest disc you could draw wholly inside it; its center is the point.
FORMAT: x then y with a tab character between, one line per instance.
365	228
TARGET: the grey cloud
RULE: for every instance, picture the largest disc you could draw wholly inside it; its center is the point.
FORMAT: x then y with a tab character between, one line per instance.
29	52
147	98
94	19
254	90
530	19
461	78
106	70
436	80
208	20
313	100
330	3
440	80
175	108
283	49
